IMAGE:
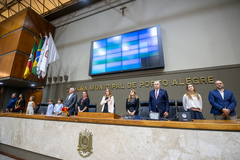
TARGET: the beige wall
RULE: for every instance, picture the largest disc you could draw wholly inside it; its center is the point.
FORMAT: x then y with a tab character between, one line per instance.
196	34
200	38
229	75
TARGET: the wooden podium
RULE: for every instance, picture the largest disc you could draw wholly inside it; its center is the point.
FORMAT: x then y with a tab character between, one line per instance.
95	115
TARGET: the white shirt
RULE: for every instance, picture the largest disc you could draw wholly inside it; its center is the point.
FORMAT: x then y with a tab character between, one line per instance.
58	108
157	92
70	96
222	94
194	102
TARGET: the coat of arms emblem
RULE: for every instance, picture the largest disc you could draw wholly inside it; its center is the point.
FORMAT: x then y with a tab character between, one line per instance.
85	143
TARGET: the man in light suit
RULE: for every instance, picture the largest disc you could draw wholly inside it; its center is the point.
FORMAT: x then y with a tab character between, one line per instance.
223	102
158	100
70	101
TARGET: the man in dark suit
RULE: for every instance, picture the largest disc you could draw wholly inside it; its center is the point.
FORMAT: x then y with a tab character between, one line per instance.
70	101
158	100
223	102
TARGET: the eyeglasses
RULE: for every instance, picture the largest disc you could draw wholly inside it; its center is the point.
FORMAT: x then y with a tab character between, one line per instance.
218	83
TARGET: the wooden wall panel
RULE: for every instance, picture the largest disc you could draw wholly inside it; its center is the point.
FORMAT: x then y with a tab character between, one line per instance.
26	42
9	43
19	66
20	40
6	63
36	93
37	24
13	23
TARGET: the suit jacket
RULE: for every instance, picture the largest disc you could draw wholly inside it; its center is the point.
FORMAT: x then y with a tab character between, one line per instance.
70	102
229	101
161	102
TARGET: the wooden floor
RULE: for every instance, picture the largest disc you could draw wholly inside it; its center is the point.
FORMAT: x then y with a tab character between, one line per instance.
224	125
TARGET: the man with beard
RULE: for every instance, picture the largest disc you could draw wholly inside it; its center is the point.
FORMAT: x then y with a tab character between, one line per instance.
223	102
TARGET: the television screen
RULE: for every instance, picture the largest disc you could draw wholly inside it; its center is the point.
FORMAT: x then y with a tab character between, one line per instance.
137	50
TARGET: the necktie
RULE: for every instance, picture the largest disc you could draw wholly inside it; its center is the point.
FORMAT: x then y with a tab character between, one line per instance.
156	94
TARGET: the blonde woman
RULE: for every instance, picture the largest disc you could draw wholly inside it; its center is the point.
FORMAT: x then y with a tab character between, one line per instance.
132	103
107	102
192	102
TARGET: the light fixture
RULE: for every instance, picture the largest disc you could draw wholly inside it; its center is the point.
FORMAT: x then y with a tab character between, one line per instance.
1	83
49	79
65	77
55	79
60	78
33	85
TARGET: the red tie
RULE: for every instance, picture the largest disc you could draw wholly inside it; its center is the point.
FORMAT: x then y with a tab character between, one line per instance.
156	95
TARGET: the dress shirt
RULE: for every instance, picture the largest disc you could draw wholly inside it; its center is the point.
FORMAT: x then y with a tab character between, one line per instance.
194	102
58	108
49	110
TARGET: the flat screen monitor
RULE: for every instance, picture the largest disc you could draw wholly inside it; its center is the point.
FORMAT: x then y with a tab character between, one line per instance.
132	51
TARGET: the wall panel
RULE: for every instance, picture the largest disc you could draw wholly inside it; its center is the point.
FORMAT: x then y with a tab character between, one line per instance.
6	63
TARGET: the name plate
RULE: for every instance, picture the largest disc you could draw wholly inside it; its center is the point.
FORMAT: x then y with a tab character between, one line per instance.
98	115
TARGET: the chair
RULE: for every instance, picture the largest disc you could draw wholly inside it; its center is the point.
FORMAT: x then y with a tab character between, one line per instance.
43	108
179	102
144	103
92	107
172	109
144	109
171	102
37	108
180	109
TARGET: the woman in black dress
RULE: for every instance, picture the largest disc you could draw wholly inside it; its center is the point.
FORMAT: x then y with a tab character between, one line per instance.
83	103
20	104
132	103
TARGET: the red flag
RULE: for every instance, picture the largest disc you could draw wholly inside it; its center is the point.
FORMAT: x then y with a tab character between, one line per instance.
31	60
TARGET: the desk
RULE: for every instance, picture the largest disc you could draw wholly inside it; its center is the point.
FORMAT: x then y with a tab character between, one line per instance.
225	125
57	136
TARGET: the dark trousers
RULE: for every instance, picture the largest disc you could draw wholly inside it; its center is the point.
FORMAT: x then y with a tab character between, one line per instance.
195	114
71	111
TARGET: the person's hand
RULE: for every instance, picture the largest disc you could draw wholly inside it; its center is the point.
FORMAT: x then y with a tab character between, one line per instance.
151	111
131	113
6	110
165	114
107	100
226	112
11	109
81	111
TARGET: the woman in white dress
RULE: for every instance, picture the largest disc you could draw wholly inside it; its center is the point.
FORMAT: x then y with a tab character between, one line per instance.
192	102
31	106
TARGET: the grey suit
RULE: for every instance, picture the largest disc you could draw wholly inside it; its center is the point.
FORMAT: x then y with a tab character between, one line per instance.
70	103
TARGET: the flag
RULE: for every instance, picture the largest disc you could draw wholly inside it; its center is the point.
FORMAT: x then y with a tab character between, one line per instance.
53	53
50	55
44	63
41	56
34	68
30	61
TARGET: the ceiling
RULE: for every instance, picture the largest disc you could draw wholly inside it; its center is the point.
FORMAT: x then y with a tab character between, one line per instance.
49	9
